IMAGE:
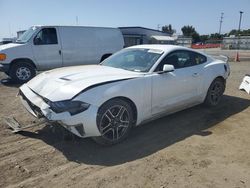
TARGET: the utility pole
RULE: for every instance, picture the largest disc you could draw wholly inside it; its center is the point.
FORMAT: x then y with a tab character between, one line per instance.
221	20
76	20
237	59
240	22
239	30
9	29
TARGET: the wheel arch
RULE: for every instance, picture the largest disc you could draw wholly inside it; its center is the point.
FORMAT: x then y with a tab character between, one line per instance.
23	60
130	102
221	78
211	81
206	101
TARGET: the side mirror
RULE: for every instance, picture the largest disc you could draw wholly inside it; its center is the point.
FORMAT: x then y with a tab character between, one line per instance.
167	68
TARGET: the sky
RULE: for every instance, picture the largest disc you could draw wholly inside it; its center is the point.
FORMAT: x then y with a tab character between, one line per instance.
204	15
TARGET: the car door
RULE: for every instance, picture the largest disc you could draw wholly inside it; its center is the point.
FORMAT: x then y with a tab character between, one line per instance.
47	49
175	90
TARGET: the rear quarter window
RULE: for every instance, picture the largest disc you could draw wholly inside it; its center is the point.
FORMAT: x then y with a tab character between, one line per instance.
199	58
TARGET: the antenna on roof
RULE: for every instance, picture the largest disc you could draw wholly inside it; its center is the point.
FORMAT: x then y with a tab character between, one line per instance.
158	26
76	20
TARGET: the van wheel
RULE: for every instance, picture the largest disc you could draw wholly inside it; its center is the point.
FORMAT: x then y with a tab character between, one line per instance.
22	72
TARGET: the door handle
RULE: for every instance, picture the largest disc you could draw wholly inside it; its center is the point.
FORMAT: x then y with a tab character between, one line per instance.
60	52
195	74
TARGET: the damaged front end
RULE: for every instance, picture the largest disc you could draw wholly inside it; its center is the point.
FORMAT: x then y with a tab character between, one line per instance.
50	112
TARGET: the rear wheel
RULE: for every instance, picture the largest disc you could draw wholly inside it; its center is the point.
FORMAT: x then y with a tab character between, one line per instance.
114	121
215	92
22	72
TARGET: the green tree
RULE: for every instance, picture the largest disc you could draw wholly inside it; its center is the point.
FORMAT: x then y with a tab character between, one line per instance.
168	29
204	38
242	32
216	36
189	31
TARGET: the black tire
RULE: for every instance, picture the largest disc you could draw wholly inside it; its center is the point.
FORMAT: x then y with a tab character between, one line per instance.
215	92
7	73
114	121
22	72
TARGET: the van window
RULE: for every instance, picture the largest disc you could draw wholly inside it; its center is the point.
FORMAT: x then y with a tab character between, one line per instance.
46	36
26	35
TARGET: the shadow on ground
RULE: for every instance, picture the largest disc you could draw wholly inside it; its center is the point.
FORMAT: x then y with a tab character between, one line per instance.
146	139
9	82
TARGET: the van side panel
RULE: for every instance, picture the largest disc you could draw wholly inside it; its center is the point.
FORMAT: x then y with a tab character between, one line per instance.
110	41
87	45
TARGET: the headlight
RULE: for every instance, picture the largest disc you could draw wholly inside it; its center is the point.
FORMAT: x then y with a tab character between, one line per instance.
73	107
2	57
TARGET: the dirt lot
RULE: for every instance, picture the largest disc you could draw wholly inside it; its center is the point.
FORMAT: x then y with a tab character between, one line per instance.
197	147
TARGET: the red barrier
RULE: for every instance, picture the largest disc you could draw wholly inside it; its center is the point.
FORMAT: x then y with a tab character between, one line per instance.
200	46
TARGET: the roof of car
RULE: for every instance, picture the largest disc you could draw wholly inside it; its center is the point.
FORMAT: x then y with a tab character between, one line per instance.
165	48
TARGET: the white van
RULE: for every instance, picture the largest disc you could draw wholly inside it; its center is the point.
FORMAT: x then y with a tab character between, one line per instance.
47	47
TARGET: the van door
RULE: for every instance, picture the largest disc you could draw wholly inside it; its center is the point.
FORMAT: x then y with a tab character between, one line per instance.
47	49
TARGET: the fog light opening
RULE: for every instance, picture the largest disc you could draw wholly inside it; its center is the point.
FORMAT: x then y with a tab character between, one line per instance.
80	129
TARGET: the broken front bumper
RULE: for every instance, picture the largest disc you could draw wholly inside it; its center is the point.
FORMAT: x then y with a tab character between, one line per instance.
245	84
82	124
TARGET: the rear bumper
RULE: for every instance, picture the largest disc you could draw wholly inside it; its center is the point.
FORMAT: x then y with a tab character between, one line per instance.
4	67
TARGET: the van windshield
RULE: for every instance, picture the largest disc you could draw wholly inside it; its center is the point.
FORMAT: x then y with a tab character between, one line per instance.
26	35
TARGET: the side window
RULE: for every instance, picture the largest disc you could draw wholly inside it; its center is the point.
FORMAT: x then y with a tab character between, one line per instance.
199	59
182	58
46	36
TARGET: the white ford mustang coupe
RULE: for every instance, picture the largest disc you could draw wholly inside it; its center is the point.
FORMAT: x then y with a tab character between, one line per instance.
131	87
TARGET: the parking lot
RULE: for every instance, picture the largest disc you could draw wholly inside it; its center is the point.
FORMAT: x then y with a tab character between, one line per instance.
197	147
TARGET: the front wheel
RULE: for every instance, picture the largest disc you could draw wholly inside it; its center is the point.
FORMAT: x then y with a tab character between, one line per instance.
114	121
215	92
22	72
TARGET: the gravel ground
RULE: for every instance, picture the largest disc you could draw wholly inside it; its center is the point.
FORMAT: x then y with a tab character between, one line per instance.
197	147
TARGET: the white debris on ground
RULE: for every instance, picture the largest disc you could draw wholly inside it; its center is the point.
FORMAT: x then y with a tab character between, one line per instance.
245	84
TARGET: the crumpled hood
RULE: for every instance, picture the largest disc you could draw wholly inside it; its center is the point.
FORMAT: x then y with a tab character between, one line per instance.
65	83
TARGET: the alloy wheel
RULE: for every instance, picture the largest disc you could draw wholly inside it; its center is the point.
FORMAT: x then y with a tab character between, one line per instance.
114	122
216	92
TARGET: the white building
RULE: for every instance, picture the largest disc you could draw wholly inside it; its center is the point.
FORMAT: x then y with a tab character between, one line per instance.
141	35
233	42
184	41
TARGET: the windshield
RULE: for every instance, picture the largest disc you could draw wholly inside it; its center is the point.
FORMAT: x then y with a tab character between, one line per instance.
139	60
26	35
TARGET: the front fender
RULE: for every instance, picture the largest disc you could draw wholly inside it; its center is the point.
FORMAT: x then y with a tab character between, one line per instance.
137	90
